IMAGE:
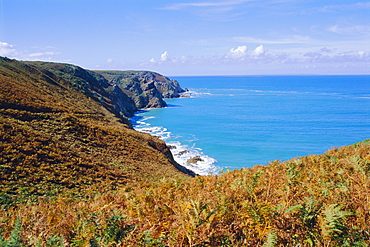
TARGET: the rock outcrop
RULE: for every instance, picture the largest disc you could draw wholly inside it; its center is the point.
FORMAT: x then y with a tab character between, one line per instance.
147	89
121	92
194	160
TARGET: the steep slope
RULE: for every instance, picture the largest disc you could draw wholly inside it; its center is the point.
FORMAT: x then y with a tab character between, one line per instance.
61	134
94	86
146	88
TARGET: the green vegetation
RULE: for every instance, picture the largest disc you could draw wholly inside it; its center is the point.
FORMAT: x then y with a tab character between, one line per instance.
72	174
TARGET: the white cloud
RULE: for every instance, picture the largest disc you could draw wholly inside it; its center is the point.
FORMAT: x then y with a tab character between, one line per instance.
239	52
178	6
326	50
243	59
164	56
295	39
363	54
37	53
259	50
226	10
6	49
43	56
109	60
349	30
184	59
334	58
339	7
40	54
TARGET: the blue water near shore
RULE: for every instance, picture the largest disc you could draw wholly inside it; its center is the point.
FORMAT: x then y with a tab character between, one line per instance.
232	122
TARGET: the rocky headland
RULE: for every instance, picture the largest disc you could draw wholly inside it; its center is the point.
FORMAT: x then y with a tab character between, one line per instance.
62	126
122	92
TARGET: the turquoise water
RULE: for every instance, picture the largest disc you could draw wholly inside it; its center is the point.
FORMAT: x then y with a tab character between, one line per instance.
239	121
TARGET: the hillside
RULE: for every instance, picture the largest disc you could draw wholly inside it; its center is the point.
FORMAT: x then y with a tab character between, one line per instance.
122	92
74	173
63	128
144	87
318	200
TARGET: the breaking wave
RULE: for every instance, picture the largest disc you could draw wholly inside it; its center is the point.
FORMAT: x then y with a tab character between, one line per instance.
190	157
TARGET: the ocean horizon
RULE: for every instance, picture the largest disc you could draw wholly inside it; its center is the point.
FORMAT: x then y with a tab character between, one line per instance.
231	122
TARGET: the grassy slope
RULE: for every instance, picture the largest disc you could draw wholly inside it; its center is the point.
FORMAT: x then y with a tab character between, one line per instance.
55	139
317	200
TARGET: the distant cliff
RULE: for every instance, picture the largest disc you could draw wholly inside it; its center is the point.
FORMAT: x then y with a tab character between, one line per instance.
122	92
146	88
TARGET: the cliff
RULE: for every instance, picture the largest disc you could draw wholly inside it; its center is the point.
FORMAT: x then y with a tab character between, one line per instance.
147	89
64	128
122	92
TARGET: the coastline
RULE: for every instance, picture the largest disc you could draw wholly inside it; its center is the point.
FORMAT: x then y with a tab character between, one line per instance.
188	157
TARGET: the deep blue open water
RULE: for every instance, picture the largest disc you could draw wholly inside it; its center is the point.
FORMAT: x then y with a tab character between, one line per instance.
239	121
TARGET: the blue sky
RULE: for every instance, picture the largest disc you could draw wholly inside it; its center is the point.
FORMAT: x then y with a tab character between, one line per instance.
194	37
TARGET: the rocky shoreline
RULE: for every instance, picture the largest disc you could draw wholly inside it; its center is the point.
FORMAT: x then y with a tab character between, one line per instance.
190	161
122	93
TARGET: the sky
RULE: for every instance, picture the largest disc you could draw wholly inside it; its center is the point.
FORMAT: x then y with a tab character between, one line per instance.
192	37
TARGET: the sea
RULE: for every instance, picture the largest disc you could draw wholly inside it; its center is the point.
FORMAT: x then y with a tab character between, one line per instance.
231	122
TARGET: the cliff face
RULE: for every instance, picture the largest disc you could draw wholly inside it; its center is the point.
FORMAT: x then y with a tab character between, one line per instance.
147	89
59	131
122	92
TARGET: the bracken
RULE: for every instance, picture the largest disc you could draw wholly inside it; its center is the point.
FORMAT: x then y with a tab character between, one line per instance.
72	174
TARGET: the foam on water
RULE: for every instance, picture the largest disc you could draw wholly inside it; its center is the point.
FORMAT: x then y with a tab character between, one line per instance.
203	164
243	121
191	94
190	157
